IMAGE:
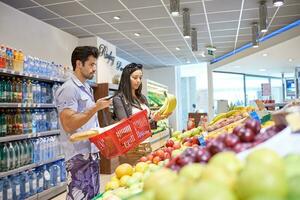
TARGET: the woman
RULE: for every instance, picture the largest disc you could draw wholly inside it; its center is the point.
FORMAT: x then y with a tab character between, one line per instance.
130	99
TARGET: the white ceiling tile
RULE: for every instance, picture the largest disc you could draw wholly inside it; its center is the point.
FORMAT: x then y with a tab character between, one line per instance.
68	9
85	20
98	6
124	15
99	28
19	4
127	26
149	13
40	13
141	3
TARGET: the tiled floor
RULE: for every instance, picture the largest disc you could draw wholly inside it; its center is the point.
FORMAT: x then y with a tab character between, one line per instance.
104	178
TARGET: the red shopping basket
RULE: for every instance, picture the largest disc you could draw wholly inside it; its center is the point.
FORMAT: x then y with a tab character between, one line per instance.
126	135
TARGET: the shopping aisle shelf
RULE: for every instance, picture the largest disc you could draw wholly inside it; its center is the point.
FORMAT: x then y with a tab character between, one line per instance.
27	136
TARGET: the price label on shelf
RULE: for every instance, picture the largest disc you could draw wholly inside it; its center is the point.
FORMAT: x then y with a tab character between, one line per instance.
19	105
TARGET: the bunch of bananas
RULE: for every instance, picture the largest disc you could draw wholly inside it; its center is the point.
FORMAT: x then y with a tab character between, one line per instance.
169	105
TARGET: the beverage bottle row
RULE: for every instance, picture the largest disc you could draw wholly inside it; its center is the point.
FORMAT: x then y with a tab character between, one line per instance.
17	90
27	121
24	152
15	154
11	58
34	65
28	183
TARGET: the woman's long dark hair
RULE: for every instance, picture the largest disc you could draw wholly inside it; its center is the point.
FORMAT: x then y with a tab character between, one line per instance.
125	83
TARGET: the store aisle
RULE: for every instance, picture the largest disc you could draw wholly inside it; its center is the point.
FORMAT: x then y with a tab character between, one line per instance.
104	178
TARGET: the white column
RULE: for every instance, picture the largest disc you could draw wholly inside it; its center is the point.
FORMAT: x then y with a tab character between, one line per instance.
210	93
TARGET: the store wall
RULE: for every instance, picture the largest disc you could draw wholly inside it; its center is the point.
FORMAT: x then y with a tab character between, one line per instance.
166	76
21	31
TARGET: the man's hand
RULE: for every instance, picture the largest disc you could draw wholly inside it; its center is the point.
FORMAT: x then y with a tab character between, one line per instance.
102	103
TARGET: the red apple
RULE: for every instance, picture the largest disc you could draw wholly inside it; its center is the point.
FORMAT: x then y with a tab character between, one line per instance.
188	144
143	159
215	146
248	135
254	125
231	140
236	130
195	140
167	155
170	143
160	153
176	145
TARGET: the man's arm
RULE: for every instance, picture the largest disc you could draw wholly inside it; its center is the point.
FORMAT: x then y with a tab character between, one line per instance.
71	120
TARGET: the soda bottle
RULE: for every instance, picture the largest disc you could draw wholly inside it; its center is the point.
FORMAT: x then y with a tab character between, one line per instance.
15	125
18	154
5	158
29	121
14	90
29	92
2	56
15	60
7	189
1	188
19	90
2	89
16	186
18	122
21	60
8	89
30	145
3	128
9	121
8	59
22	153
12	156
24	91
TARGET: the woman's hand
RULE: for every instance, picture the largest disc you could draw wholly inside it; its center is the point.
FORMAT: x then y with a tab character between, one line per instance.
157	116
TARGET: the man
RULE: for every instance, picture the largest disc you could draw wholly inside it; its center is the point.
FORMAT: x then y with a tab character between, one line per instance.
78	112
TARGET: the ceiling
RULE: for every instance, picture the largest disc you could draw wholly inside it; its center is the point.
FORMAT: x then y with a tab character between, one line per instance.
283	57
225	24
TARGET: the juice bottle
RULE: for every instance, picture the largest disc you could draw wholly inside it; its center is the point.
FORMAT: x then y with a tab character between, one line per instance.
8	89
14	90
29	92
21	60
15	60
9	121
19	91
2	57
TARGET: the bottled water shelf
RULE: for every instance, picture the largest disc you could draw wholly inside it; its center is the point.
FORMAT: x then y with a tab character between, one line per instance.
30	166
50	193
27	105
27	136
30	76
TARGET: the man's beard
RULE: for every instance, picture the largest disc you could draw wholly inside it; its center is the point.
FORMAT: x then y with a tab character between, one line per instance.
89	77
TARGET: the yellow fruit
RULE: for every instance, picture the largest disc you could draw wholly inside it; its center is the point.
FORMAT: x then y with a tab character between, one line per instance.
114	178
112	185
124	169
141	167
123	180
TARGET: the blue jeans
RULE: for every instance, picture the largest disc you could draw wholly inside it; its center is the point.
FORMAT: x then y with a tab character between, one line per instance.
83	176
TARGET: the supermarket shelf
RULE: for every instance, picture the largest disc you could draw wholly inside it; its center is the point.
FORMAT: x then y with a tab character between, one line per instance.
50	193
30	76
27	105
27	136
30	166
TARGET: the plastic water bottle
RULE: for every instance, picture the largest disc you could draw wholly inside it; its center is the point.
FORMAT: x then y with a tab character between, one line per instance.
7	189
30	146
46	178
5	159
53	119
38	92
32	182
36	151
24	91
22	153
26	153
25	187
12	156
16	186
42	149
63	172
18	154
40	179
1	188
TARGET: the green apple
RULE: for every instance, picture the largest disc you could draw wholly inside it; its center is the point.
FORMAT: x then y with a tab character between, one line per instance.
255	180
131	181
176	134
228	161
171	191
292	165
191	172
218	175
208	190
293	187
266	158
138	175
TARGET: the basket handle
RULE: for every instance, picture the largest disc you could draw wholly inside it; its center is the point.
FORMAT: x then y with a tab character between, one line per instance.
85	135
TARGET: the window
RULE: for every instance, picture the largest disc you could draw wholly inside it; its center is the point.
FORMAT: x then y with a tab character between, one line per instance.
229	87
254	88
276	90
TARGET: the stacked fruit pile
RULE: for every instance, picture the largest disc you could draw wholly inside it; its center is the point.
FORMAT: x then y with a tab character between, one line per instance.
243	137
264	176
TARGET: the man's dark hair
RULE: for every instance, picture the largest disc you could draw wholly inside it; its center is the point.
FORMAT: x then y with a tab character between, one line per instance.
82	53
125	84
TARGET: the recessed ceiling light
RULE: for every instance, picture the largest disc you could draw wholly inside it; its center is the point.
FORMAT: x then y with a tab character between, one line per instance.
177	48
278	3
117	17
175	14
187	36
137	34
290	60
265	54
262	70
188	62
